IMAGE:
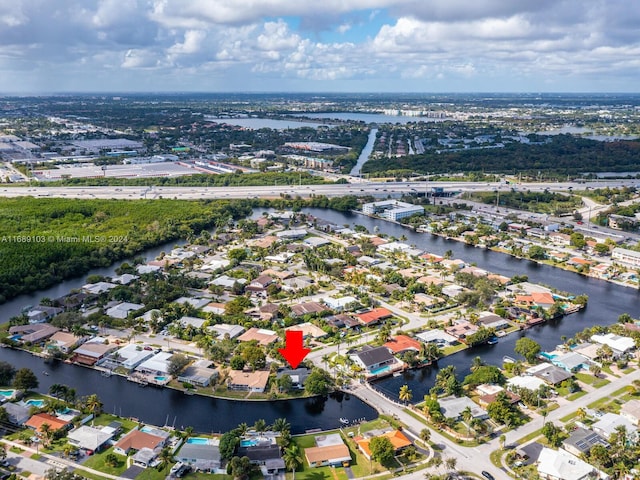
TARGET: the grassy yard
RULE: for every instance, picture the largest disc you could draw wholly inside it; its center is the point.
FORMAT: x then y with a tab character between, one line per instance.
97	462
105	419
576	395
591	380
318	473
154	474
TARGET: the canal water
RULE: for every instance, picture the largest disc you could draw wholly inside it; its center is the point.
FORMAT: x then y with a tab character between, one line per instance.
364	155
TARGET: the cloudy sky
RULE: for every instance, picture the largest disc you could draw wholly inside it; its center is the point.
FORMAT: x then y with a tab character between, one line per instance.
319	45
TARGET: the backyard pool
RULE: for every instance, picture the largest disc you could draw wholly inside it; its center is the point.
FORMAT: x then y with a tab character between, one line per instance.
248	443
199	441
35	403
7	393
380	370
160	379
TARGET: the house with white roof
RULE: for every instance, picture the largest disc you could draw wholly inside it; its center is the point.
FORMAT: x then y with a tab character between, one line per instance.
561	465
618	344
195	322
340	304
89	438
156	365
223	329
610	421
123	309
98	288
128	357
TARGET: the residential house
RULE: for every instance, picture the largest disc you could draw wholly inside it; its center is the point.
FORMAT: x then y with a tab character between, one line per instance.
307	308
374	316
376	360
35	334
199	374
561	465
341	304
65	342
549	373
403	343
620	345
298	375
98	287
128	357
309	330
631	411
296	284
43	313
223	329
608	423
93	351
123	309
36	421
136	440
89	438
261	335
201	456
396	437
571	362
439	337
264	453
461	329
196	303
329	450
259	284
452	407
18	414
582	440
248	381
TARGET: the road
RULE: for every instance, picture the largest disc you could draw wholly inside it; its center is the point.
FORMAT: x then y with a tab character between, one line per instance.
377	189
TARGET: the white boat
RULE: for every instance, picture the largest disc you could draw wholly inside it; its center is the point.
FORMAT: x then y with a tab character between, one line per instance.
344	421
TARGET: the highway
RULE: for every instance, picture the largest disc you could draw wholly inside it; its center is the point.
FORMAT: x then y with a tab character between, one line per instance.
377	189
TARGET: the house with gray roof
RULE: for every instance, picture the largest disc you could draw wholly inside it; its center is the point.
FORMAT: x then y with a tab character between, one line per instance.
89	438
18	414
452	407
582	440
205	457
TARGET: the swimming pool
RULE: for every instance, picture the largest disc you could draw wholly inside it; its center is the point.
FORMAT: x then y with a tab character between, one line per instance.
35	403
199	441
160	379
548	356
248	443
7	393
380	370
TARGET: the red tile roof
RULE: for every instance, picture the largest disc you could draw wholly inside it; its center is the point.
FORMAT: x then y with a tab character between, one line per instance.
39	419
403	343
374	315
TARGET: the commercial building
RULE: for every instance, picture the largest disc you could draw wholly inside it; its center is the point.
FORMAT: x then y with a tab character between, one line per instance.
392	209
623	255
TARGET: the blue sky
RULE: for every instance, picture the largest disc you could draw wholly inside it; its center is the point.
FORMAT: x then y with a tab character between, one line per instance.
319	45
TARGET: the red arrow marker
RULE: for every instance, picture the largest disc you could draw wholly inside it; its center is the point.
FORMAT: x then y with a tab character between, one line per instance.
294	351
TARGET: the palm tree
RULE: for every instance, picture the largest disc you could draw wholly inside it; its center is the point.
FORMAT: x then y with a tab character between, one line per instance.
46	431
68	449
280	425
260	425
405	394
450	463
581	413
325	359
476	363
165	458
94	405
425	435
466	417
242	429
188	432
503	439
292	458
595	370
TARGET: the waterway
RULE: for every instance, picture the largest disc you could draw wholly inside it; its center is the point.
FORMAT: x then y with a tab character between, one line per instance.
370	117
164	406
364	155
272	123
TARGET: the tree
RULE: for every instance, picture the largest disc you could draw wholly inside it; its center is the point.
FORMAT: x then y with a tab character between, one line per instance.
318	382
285	383
425	435
177	363
239	467
595	369
254	356
280	425
237	362
599	456
260	425
405	394
536	252
528	348
447	382
25	379
165	458
64	474
503	439
484	374
451	463
381	449
553	434
47	432
476	363
6	373
228	443
292	458
112	460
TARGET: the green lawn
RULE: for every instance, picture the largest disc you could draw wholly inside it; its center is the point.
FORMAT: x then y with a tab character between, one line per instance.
97	462
154	474
105	419
316	473
576	395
